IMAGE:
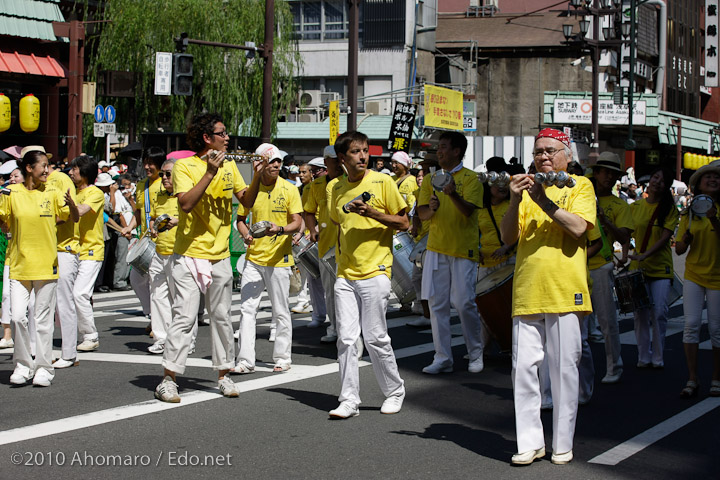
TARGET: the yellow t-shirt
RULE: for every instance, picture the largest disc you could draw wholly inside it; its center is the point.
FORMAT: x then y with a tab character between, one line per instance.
702	264
67	233
153	190
90	227
551	267
31	216
407	189
365	249
273	204
618	212
451	232
205	231
489	240
660	264
424	224
316	203
165	203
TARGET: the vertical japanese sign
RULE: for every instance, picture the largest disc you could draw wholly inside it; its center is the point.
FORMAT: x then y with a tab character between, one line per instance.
402	127
711	43
470	116
163	73
334	114
443	108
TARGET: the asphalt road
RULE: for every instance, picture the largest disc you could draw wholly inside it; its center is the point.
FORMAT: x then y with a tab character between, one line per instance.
100	419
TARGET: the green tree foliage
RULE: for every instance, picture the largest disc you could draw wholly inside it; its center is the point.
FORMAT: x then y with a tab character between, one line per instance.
224	80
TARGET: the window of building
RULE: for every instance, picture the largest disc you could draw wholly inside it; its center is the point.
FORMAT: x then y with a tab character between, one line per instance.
320	20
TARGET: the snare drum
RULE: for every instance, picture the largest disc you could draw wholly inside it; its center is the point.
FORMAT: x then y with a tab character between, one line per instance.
140	254
701	204
631	291
401	279
417	255
328	261
306	254
493	296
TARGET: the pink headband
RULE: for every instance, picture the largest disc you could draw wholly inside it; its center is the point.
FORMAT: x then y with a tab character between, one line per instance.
556	134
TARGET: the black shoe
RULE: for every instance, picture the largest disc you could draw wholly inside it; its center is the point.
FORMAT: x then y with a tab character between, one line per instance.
102	289
122	289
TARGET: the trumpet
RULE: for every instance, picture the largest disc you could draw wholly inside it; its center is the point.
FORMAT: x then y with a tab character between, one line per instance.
502	179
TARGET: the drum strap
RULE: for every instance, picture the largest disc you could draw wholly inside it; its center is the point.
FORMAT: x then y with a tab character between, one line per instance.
399	181
646	238
492	217
147	203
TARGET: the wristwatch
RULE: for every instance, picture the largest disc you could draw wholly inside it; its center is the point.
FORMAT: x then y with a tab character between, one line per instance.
548	206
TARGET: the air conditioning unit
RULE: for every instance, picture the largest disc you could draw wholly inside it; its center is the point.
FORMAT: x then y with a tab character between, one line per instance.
306	117
373	108
309	98
474	3
327	97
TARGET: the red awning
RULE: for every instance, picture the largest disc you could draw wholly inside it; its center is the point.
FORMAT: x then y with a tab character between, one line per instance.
14	62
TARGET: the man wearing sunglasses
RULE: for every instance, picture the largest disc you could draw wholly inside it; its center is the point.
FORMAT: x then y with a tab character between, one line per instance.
204	185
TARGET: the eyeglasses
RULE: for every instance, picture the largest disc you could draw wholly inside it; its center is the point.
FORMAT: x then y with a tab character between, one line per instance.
550	152
221	134
165	174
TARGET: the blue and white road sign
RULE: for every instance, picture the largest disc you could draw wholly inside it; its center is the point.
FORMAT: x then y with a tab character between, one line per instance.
100	113
110	114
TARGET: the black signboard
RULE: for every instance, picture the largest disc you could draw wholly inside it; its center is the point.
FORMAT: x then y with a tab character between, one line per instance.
402	127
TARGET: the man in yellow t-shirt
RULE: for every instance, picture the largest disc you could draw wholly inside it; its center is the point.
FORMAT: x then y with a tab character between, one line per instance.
324	232
145	196
268	262
367	206
450	267
90	204
204	185
67	248
420	229
407	185
550	225
615	220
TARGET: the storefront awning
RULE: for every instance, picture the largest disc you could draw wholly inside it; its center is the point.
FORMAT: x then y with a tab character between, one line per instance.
14	62
696	133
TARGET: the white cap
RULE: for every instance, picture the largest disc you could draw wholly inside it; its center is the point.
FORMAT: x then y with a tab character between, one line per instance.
402	158
104	180
270	151
329	152
293	169
103	163
317	162
7	167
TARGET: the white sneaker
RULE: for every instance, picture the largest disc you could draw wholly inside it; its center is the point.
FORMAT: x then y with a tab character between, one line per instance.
62	363
393	404
273	333
157	348
526	458
88	346
9	343
438	367
302	308
228	388
345	410
243	368
21	375
167	391
562	458
43	378
237	334
476	366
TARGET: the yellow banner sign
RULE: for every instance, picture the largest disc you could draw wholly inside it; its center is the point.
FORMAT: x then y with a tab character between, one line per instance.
443	108
334	113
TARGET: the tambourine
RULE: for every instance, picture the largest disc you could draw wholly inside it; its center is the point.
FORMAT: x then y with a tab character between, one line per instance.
701	204
440	179
260	229
162	223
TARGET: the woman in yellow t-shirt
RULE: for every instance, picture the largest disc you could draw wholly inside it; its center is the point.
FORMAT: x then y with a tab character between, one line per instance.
493	252
32	214
653	257
702	277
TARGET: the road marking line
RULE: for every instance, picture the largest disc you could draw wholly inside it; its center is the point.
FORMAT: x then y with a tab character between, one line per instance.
100	417
636	444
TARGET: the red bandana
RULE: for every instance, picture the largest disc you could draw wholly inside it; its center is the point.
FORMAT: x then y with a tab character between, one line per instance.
556	134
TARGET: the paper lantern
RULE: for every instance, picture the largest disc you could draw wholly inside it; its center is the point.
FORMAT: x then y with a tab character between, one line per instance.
29	113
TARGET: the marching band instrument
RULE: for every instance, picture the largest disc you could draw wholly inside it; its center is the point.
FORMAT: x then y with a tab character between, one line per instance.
502	179
493	297
306	253
402	267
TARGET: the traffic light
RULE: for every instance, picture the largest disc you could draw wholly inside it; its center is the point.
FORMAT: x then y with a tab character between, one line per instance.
182	74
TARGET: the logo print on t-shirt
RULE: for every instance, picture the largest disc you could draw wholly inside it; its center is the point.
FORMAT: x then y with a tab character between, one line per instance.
45	208
578	299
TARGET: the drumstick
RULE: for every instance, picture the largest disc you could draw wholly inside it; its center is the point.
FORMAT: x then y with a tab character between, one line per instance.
113	227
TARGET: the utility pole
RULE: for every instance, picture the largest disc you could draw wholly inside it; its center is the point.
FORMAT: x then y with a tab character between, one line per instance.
267	73
353	43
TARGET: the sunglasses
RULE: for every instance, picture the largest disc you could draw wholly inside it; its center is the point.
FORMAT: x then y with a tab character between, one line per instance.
165	174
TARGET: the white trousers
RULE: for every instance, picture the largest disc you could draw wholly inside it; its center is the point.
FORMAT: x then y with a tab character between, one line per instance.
186	302
45	291
604	307
317	298
65	313
255	279
453	284
328	283
7	304
141	285
162	291
84	283
693	297
361	306
303	295
653	319
532	336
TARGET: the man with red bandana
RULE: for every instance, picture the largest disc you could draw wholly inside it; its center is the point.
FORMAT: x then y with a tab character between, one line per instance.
550	225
